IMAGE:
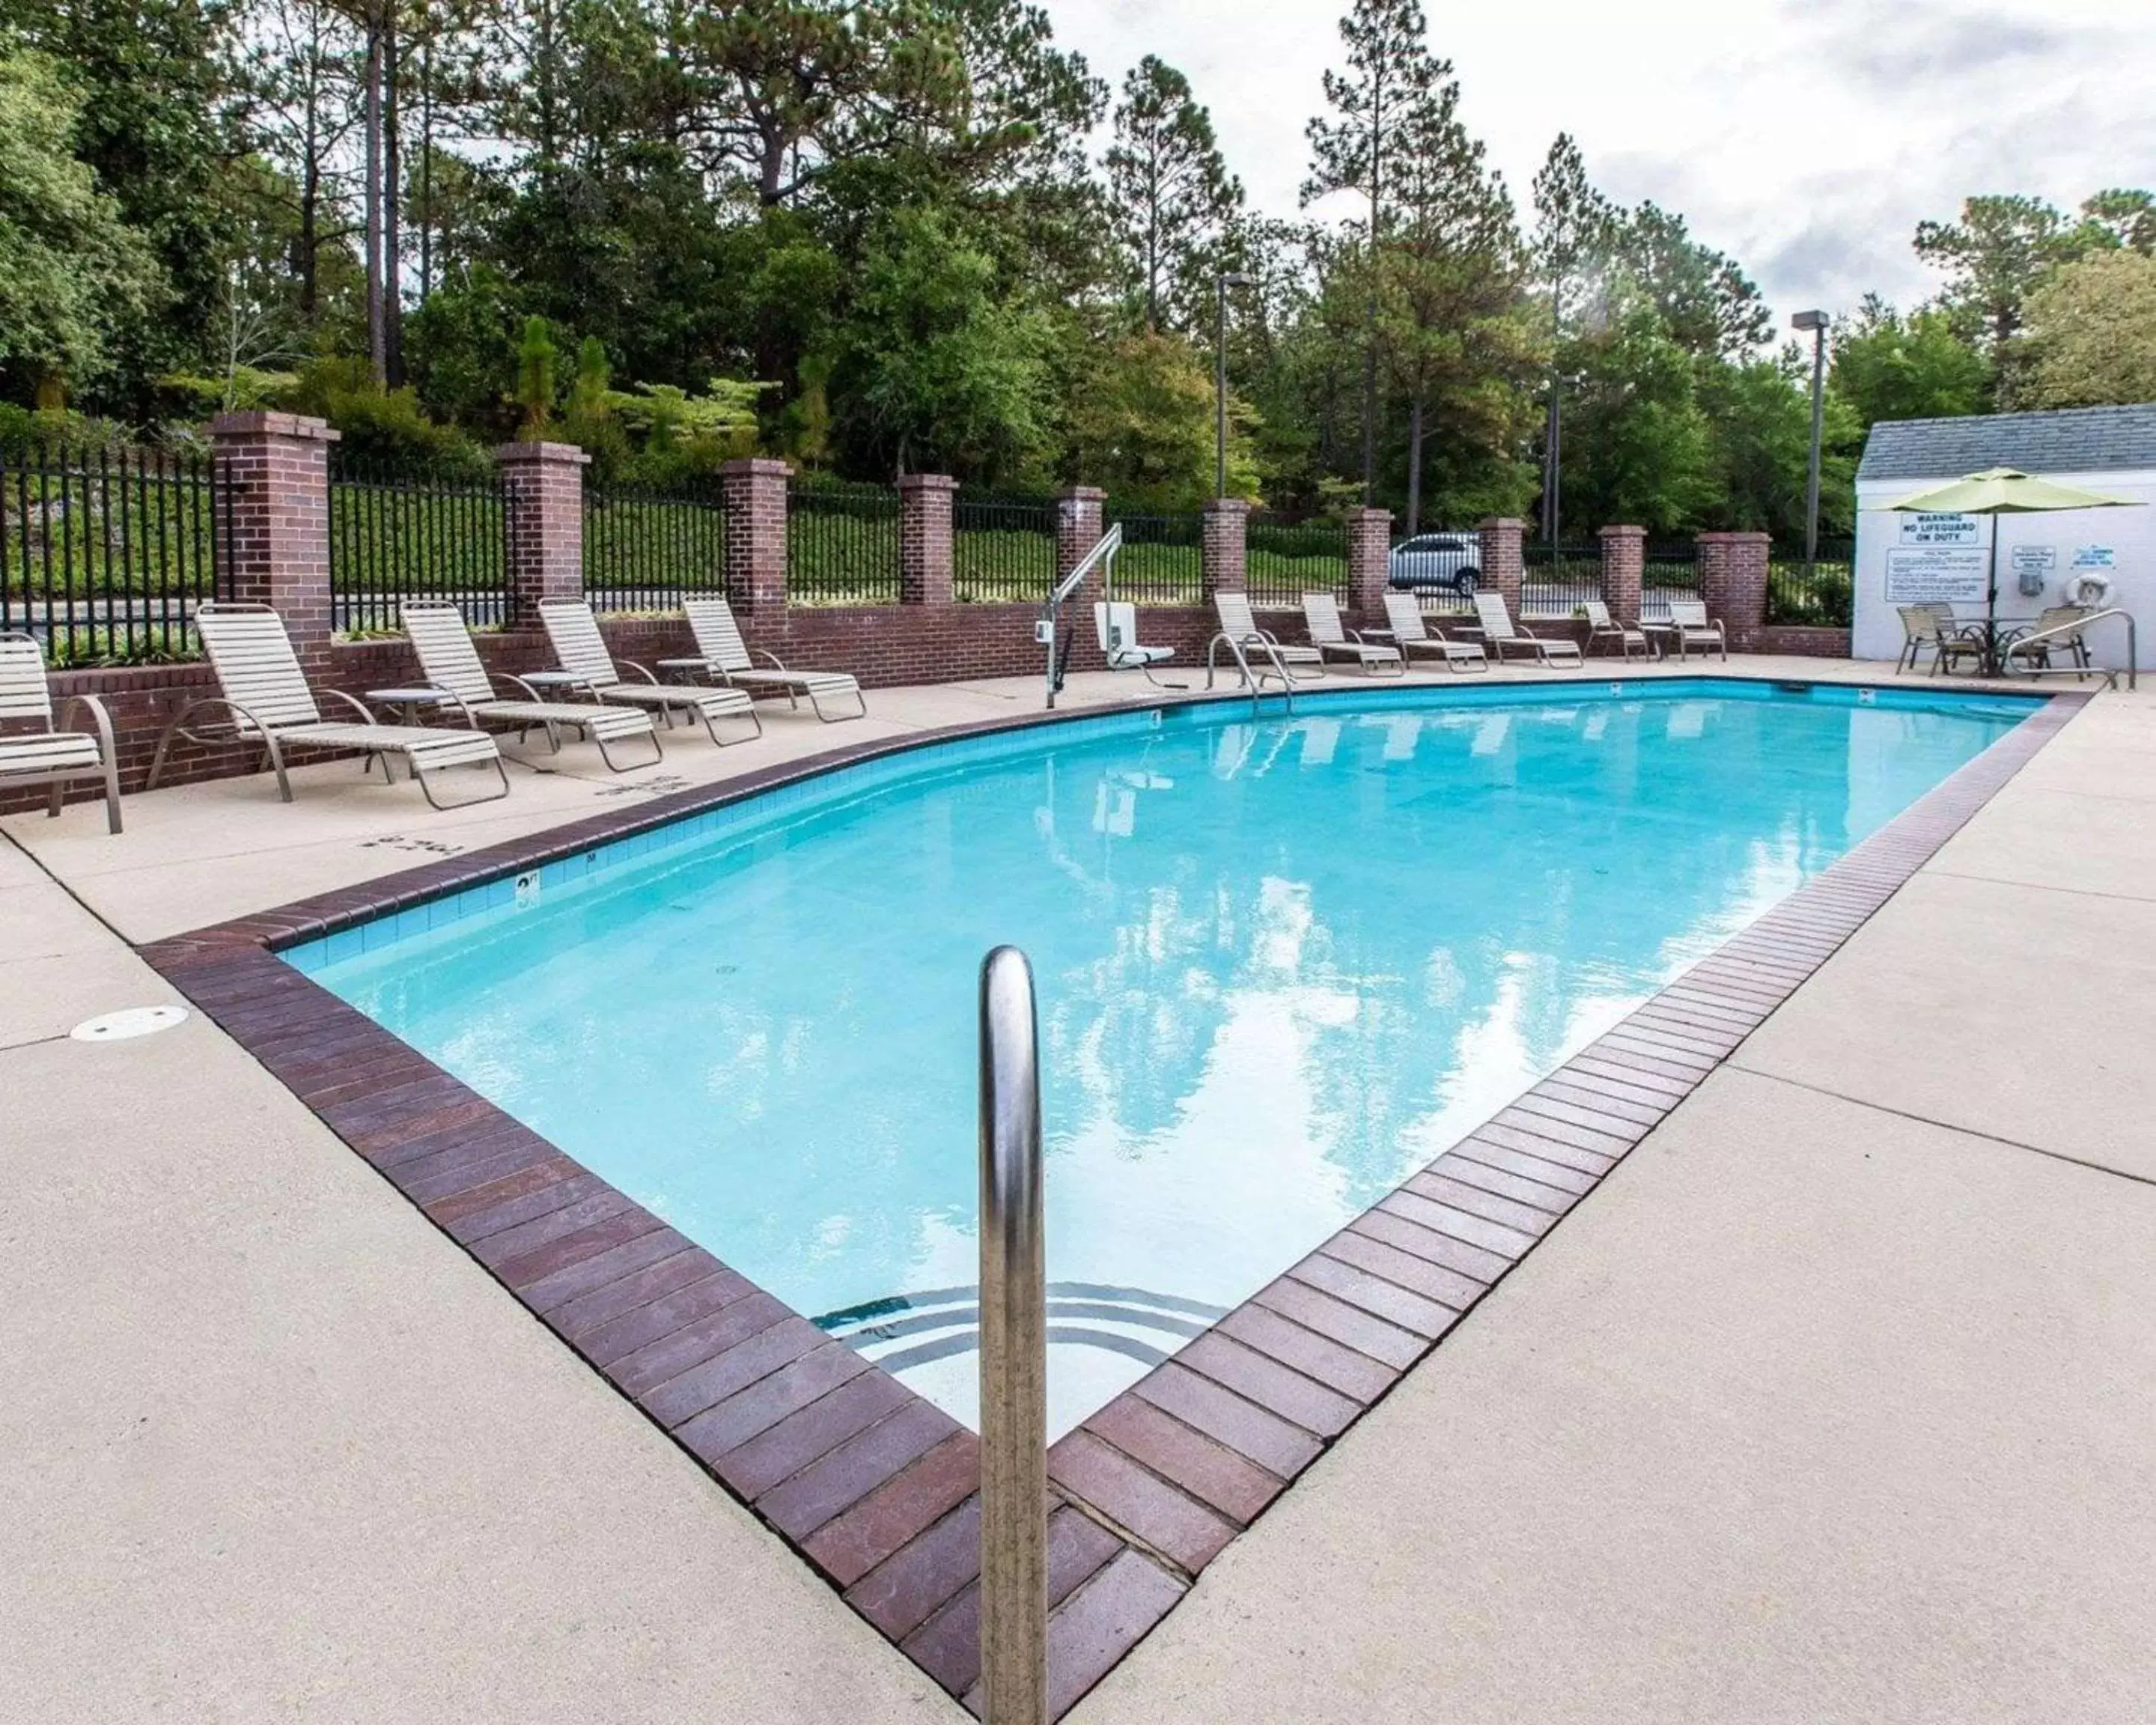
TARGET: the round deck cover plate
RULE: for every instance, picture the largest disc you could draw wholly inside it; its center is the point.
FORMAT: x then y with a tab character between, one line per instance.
134	1021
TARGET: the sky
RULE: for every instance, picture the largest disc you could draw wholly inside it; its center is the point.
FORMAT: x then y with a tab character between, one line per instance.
1807	140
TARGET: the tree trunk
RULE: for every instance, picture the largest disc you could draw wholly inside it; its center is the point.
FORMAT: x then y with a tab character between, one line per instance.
392	187
1414	466
310	183
426	211
377	349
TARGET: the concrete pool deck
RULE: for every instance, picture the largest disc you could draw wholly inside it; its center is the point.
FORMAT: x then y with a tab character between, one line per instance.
1834	1404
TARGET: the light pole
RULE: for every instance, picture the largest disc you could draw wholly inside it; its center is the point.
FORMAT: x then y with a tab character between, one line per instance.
1815	321
1221	382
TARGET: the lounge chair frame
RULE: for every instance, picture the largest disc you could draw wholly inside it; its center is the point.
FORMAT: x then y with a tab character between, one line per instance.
1411	632
1500	631
573	629
46	754
1689	623
1334	639
1238	627
266	698
722	654
450	662
1601	626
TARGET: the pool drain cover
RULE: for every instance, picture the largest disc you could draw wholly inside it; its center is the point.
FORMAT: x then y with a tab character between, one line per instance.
135	1021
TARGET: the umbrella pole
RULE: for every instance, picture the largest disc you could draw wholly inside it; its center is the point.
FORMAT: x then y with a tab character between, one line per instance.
1991	606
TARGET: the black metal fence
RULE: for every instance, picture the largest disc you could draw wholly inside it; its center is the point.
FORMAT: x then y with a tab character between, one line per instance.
399	533
644	548
1821	596
1283	560
104	553
841	543
1163	559
1003	549
1555	578
1671	571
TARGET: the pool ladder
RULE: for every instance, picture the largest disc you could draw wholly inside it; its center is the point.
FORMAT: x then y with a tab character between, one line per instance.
1253	679
1013	1352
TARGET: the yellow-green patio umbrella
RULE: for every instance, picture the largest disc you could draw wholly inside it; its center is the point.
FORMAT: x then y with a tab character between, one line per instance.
2003	491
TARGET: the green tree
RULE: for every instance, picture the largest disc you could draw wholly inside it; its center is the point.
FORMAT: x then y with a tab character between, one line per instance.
1455	342
1175	200
1643	450
1994	256
1143	426
2090	338
2128	217
74	279
1390	70
1889	365
937	368
1759	419
1707	302
1572	226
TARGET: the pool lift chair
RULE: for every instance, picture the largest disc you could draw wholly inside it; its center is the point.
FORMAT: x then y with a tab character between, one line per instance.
1116	625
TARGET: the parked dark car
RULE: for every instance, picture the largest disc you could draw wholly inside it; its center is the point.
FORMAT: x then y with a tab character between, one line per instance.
1437	562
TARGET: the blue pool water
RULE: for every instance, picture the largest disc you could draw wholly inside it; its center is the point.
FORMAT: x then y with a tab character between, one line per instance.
1281	964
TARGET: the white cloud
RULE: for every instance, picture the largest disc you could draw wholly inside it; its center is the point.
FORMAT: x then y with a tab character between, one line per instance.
1806	139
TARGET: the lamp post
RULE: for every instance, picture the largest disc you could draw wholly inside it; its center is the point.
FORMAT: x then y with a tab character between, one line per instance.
1815	321
1220	383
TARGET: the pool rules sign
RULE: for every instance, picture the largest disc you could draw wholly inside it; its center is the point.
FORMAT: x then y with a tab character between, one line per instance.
1940	560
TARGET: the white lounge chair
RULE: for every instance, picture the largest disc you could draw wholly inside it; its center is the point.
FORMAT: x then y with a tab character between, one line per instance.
1240	626
721	653
1499	632
1601	626
574	631
1116	626
1692	626
43	754
265	693
1412	631
1334	639
451	663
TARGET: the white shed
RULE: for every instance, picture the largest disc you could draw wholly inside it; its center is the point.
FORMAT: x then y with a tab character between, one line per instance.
1901	558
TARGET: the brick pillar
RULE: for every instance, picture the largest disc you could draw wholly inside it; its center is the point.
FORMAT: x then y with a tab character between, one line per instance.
754	492
1078	526
1504	564
273	470
1369	561
542	501
1732	580
1225	547
924	538
1624	562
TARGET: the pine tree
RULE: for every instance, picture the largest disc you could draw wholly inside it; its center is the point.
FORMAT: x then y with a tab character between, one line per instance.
1175	199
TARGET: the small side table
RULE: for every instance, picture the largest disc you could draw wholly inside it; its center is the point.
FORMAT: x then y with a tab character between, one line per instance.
551	679
407	703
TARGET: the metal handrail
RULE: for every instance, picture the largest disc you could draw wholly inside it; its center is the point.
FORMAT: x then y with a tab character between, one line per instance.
1013	1352
1251	679
1051	613
2110	677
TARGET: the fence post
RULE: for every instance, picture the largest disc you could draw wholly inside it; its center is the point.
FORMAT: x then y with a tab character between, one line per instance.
1370	560
1225	548
1079	525
542	511
754	491
1504	559
1732	580
924	554
273	470
1623	564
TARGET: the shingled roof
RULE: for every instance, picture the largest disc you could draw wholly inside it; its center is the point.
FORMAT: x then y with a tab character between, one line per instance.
2071	440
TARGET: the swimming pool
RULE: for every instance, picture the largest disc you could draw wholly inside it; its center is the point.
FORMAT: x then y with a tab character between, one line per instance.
1281	962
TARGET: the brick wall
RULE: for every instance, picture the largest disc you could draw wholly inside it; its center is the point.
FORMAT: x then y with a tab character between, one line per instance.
925	547
273	471
1224	549
542	496
1369	567
1624	566
1732	580
1800	640
1504	563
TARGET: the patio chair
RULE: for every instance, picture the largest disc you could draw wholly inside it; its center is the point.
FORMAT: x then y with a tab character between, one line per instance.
1411	631
1690	626
451	663
1334	639
721	653
2074	648
1934	626
1240	626
43	754
578	643
1601	626
1116	626
1499	632
265	695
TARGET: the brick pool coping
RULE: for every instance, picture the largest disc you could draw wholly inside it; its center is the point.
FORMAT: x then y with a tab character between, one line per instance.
870	1482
